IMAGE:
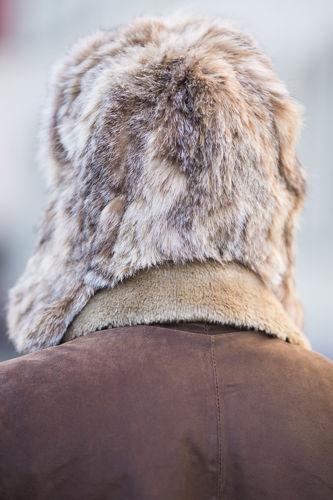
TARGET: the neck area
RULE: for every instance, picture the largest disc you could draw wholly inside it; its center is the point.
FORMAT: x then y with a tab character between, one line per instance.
224	294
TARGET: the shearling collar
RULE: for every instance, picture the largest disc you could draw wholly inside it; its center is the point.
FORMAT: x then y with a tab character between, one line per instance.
225	294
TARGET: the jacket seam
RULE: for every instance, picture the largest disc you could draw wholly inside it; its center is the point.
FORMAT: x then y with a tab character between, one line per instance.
218	420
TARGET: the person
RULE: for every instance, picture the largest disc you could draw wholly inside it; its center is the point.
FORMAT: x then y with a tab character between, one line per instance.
166	358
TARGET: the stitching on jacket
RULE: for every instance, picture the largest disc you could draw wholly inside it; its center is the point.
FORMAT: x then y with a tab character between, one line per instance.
218	421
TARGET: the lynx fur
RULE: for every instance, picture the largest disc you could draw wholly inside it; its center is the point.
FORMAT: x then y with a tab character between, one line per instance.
167	140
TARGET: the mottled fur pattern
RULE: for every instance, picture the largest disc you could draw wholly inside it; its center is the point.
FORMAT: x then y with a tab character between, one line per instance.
165	140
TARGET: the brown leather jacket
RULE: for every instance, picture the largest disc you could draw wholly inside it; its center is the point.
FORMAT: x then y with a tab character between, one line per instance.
188	411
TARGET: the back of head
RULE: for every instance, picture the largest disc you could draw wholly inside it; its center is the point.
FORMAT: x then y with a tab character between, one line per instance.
165	140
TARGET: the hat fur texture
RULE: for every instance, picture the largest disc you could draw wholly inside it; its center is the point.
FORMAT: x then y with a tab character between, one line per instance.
167	140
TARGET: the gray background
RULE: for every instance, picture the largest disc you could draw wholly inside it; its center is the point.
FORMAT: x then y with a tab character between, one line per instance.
297	35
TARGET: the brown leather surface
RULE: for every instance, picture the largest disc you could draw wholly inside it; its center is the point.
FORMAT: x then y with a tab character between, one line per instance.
161	413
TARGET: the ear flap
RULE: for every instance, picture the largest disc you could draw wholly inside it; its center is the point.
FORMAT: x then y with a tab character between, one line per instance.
48	294
288	121
58	280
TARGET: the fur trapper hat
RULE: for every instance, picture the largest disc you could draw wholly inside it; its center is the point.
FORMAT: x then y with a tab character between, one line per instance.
165	140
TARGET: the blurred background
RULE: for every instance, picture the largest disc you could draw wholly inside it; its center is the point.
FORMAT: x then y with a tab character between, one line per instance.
297	35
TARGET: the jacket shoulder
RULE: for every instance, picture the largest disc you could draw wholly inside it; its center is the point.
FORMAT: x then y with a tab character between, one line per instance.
277	412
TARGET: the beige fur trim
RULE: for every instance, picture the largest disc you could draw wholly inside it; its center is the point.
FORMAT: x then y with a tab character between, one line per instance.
227	294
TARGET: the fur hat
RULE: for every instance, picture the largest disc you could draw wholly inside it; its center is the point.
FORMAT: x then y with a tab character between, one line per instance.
165	140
